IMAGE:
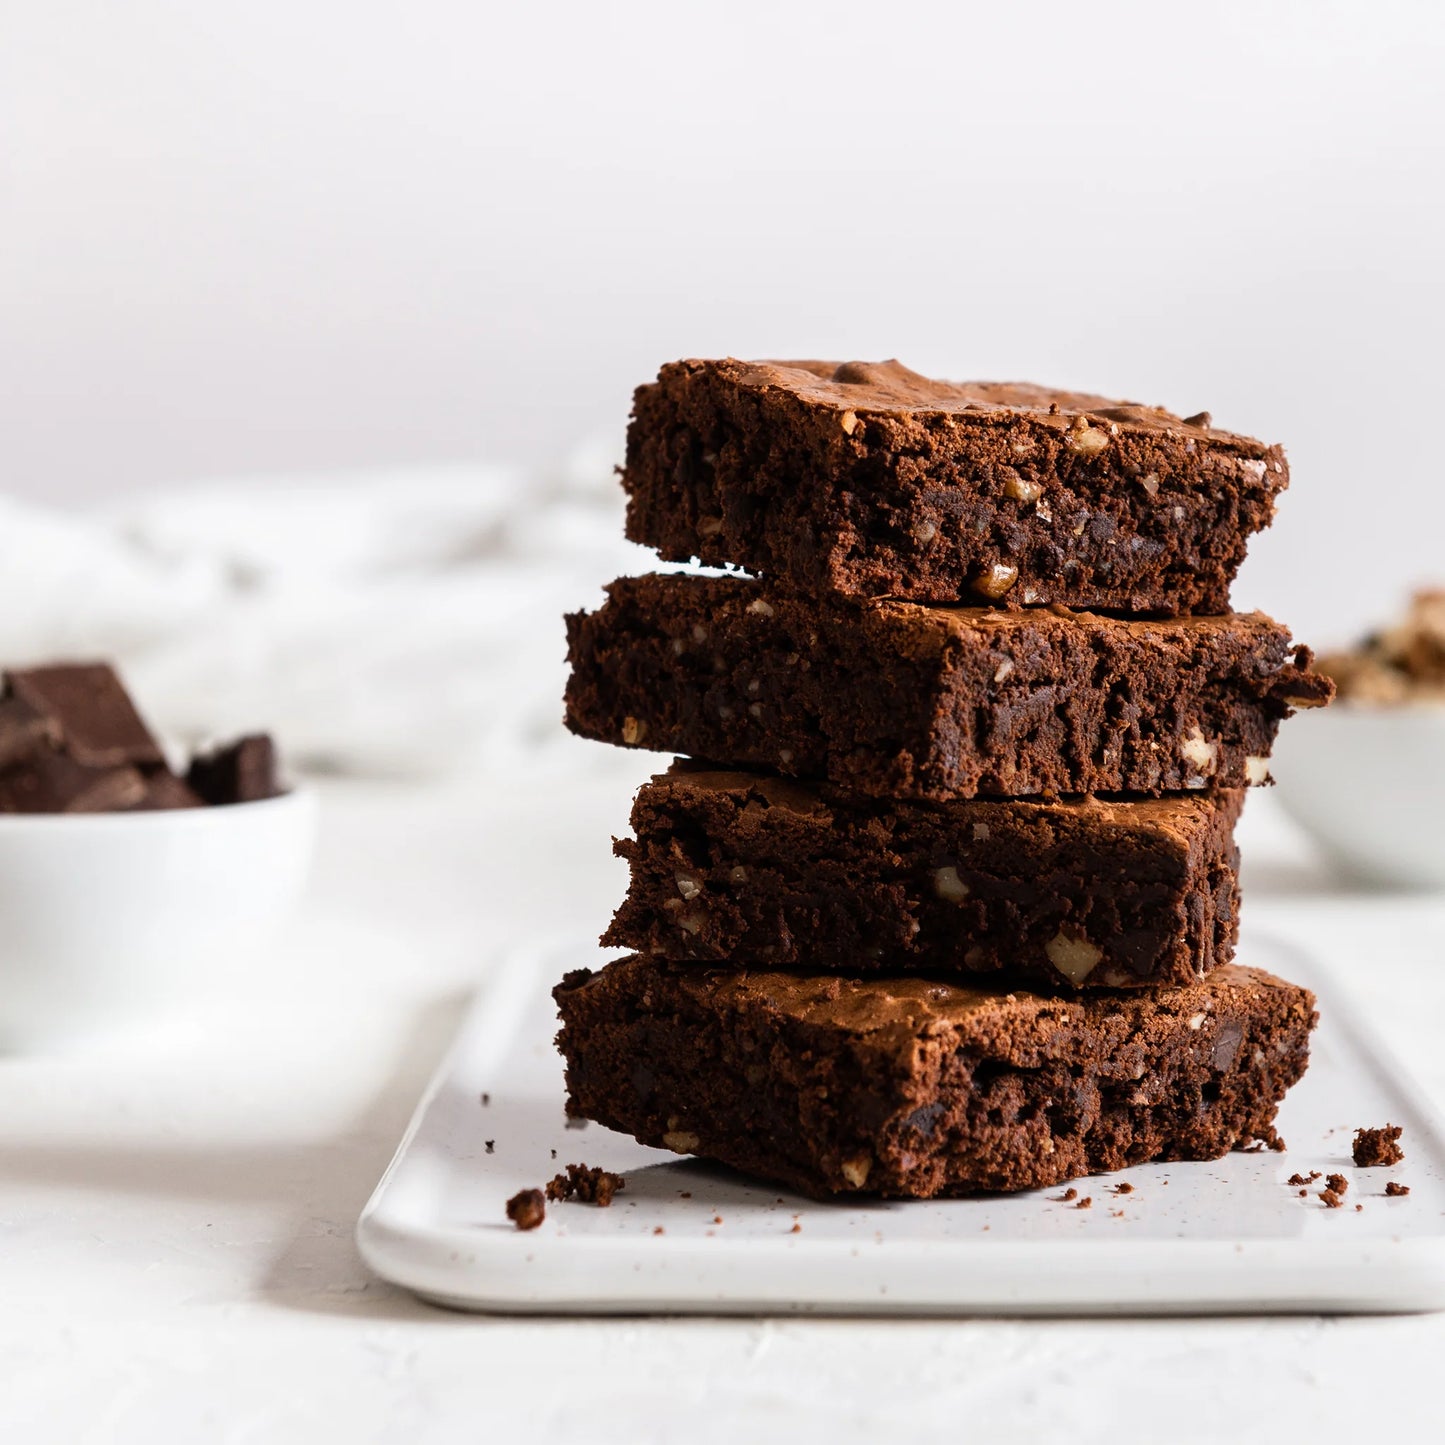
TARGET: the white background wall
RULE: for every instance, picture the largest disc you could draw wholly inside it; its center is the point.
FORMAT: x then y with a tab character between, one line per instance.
287	235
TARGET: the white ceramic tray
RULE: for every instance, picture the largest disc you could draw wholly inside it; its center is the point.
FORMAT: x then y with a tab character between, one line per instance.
684	1236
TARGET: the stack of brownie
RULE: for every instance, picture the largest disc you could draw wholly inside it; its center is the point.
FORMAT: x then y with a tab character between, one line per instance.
944	898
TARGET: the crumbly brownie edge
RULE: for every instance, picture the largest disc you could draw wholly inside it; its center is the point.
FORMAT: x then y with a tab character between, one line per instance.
1004	505
750	870
893	700
1019	1093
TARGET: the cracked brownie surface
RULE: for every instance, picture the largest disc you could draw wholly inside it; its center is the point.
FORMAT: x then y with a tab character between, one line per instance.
868	479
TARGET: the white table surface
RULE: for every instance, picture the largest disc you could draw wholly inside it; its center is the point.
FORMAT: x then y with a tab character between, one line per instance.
177	1204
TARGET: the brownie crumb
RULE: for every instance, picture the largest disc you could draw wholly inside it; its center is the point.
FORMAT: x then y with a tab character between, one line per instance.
1331	1199
1375	1147
1296	1179
657	1229
717	1219
586	1184
685	1194
1304	1194
1068	1195
1396	1191
491	1145
1123	1189
486	1100
1085	1203
1358	1208
554	1153
798	1228
527	1209
1337	1182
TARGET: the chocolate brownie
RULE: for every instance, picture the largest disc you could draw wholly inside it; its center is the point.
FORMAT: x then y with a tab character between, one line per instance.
911	1087
866	478
894	699
753	870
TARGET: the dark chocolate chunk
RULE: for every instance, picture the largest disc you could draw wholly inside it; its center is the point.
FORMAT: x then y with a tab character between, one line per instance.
241	772
52	782
164	791
91	709
24	731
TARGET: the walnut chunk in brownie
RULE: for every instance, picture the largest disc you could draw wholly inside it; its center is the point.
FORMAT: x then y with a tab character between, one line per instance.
1376	1147
527	1209
586	1184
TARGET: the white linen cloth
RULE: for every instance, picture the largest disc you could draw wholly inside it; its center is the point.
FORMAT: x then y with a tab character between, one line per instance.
402	623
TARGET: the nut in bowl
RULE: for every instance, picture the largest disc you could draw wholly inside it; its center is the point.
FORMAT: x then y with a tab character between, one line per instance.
1365	778
123	882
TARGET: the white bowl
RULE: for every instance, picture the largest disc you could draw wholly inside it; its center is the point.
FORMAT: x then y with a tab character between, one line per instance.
1368	783
106	915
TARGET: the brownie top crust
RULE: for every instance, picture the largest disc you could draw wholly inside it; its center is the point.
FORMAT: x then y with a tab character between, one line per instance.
1178	815
889	386
867	479
1021	1027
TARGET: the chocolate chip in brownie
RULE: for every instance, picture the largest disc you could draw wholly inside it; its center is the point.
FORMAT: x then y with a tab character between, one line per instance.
1376	1147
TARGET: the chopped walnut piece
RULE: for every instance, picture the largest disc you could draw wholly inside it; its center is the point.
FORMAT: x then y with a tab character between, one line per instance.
1022	489
1084	440
995	580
